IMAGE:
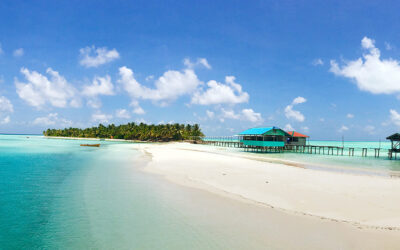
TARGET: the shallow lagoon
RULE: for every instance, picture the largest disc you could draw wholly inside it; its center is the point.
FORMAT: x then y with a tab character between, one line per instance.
56	194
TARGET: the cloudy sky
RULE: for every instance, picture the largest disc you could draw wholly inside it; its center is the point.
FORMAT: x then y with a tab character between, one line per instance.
327	69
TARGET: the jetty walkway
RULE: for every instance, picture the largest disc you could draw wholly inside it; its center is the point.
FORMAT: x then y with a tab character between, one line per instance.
234	142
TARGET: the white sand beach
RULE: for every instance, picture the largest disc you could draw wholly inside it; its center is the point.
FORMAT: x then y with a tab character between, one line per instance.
364	202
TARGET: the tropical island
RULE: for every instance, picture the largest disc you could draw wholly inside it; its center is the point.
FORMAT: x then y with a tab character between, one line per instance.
133	131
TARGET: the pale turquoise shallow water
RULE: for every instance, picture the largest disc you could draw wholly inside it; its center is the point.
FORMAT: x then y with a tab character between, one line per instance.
55	194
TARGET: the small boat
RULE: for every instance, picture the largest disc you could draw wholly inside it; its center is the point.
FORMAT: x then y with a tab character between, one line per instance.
90	145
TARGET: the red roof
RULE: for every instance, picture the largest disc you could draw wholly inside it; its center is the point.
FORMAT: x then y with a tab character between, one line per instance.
296	134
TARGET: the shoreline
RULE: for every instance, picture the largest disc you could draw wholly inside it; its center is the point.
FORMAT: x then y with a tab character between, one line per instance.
309	165
91	139
360	200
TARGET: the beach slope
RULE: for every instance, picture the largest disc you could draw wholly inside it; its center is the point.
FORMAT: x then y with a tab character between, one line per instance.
361	200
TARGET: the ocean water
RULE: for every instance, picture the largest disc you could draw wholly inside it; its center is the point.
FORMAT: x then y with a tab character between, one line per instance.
55	194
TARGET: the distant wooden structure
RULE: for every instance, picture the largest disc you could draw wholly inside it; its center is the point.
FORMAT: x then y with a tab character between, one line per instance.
395	140
90	145
274	139
264	139
296	139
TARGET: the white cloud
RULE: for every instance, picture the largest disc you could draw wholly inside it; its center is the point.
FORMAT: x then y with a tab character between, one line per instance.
219	93
94	57
299	100
204	62
369	129
321	119
343	129
171	85
290	113
371	73
318	62
99	86
229	114
136	108
5	120
45	120
40	90
350	116
388	46
94	103
6	105
1	49
100	117
139	111
174	84
18	52
368	43
395	117
294	114
250	115
288	127
245	115
200	61
210	114
122	113
52	119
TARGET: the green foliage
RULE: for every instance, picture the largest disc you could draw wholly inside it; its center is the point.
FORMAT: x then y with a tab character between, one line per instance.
132	131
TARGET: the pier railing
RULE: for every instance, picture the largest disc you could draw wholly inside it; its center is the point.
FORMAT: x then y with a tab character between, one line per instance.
223	141
336	150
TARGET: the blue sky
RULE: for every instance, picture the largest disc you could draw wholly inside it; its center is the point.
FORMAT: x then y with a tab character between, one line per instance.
327	69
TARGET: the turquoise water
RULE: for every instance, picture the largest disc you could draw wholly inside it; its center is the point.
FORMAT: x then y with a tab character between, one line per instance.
55	194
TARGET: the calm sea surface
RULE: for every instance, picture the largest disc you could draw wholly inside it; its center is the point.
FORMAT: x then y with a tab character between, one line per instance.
55	194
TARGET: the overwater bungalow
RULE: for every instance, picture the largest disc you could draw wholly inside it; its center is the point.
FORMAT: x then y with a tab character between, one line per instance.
395	141
264	137
296	138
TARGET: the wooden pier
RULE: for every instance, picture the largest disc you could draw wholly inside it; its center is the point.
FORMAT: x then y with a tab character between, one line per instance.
395	140
234	142
393	153
224	142
331	150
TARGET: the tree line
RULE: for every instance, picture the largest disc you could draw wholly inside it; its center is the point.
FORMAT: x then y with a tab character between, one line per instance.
133	131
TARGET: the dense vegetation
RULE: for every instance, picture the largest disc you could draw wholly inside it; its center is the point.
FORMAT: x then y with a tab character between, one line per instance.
133	131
